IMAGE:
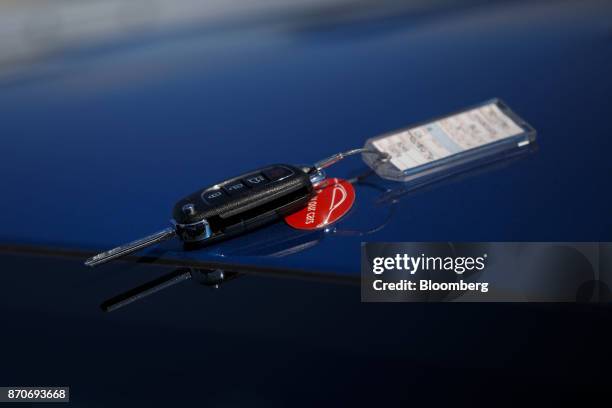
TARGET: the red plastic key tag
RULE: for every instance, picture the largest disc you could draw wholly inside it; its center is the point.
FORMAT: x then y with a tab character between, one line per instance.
334	198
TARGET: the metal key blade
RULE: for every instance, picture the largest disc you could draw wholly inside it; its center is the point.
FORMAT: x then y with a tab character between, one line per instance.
131	247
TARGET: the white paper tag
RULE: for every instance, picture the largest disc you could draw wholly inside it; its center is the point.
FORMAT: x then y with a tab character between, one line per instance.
445	137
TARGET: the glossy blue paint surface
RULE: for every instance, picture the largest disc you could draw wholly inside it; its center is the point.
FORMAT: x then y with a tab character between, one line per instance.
98	146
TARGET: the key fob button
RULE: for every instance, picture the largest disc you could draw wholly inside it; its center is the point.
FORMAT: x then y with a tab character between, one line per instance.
214	196
255	180
235	188
277	173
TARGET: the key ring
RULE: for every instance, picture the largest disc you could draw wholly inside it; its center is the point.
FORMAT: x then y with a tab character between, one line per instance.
331	160
317	173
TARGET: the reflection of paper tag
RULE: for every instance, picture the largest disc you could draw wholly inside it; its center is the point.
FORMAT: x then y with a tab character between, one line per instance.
447	136
330	204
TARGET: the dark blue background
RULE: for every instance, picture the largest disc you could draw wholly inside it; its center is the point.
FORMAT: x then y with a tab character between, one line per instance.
99	142
98	148
269	342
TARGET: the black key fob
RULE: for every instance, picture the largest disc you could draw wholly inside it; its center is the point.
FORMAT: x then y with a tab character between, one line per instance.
237	205
242	203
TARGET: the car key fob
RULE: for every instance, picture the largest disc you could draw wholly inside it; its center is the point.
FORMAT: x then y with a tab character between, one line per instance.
242	203
230	208
237	205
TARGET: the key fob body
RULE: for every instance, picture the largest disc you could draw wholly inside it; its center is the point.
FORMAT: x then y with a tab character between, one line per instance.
242	203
